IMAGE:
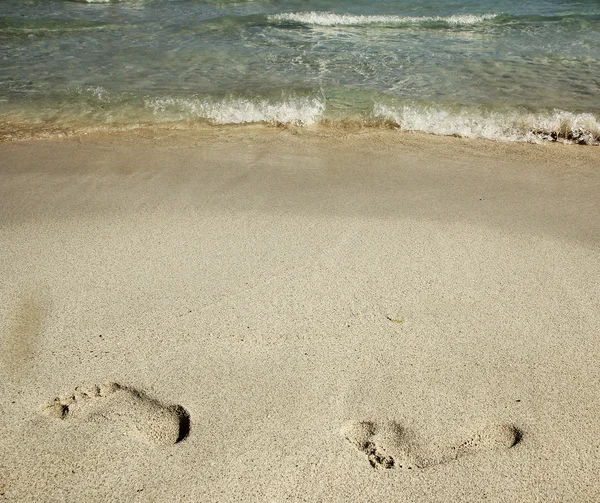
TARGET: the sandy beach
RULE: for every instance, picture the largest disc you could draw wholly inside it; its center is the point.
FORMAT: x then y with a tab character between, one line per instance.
263	314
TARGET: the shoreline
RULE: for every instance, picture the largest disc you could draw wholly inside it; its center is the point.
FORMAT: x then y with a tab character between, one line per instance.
567	132
339	316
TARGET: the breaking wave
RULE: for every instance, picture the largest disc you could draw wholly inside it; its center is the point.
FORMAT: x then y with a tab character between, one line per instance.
95	109
503	126
332	19
296	111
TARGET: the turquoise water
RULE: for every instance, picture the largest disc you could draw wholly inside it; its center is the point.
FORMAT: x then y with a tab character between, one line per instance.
512	70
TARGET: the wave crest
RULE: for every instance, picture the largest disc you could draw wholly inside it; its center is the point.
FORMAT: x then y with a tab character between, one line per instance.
509	126
294	111
332	19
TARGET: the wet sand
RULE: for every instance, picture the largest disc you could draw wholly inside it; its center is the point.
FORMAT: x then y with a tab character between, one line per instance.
255	314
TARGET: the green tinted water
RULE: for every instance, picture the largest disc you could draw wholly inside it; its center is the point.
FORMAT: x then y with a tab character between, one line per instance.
515	71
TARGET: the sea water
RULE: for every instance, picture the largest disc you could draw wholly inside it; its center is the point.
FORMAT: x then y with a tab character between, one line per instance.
510	70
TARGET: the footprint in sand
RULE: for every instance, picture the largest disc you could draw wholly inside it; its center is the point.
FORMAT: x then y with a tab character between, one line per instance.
151	420
389	445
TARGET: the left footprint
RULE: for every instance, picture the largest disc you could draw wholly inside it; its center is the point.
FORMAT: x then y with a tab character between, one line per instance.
149	419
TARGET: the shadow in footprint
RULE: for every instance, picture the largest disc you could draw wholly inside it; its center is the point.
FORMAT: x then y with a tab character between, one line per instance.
149	419
184	422
389	445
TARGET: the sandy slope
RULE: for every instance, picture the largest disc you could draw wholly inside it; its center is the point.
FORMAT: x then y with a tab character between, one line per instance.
298	317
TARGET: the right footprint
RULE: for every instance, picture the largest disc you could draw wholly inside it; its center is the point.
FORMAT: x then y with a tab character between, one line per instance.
389	445
152	421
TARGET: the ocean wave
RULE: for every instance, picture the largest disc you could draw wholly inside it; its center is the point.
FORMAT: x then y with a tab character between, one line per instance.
296	111
94	108
332	19
95	1
33	25
502	126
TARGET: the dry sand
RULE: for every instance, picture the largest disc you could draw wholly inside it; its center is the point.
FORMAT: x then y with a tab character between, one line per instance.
298	316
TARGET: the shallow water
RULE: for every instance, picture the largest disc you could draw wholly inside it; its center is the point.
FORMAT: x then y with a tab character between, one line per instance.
510	71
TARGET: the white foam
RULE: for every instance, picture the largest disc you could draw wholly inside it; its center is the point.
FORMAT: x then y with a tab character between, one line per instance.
515	126
296	111
98	92
331	19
